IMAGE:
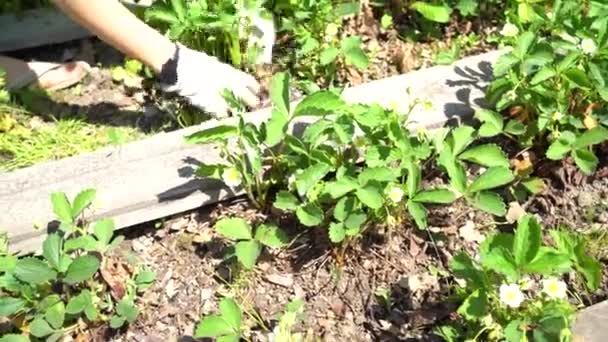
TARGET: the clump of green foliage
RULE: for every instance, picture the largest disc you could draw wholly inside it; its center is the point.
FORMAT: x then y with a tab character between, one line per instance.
221	28
553	80
514	291
52	295
355	166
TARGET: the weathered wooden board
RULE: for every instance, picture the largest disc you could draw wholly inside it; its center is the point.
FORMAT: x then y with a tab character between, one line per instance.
43	26
152	178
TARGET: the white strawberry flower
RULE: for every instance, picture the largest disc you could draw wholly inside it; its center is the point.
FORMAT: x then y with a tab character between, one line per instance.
232	177
555	288
588	46
396	194
511	295
509	30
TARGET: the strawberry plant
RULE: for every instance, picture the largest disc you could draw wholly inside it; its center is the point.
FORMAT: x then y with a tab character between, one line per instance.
47	296
314	27
248	246
514	292
552	80
238	32
354	166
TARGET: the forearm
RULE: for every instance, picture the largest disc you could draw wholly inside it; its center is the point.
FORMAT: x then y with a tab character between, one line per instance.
116	25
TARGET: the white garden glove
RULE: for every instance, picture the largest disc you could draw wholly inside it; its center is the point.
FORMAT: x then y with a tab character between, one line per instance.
201	79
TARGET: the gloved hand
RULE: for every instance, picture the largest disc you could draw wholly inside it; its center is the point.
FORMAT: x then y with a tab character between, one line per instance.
201	79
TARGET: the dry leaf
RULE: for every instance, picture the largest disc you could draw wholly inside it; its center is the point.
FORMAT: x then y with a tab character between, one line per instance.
523	165
469	233
519	113
277	279
116	274
589	122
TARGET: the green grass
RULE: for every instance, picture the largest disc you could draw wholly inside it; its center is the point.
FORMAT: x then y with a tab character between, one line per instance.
21	146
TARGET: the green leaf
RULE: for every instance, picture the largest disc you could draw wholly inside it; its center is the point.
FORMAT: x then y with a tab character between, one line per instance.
337	233
434	12
494	177
231	313
524	42
343	208
77	304
594	136
499	260
342	186
347	8
55	315
14	338
85	242
40	328
527	240
590	268
34	271
354	222
234	228
378	174
461	138
319	104
247	252
62	207
210	171
51	249
462	266
492	122
418	212
145	278
81	269
515	127
311	176
353	53
217	133
275	128
513	331
475	306
489	202
371	196
596	74
487	155
10	306
438	196
558	149
328	55
467	7
8	263
179	7
117	321
212	326
271	236
126	308
413	178
543	74
103	231
586	161
286	201
549	261
82	201
310	215
454	169
279	93
578	78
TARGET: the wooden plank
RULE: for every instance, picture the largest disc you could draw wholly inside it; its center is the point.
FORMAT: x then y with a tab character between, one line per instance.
152	178
44	26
